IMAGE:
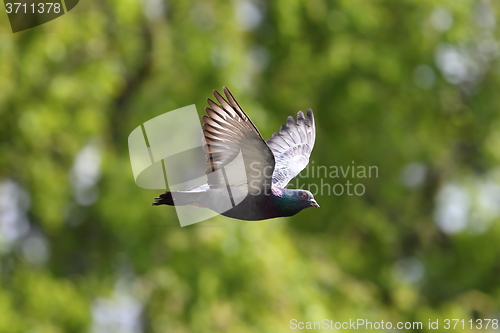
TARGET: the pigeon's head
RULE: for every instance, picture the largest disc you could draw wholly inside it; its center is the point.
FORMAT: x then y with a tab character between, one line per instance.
288	202
301	199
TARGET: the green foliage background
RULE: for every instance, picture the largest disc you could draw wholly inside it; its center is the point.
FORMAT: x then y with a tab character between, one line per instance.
382	79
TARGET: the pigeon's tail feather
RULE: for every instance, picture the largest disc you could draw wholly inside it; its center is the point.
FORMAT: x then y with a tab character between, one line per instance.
180	198
164	199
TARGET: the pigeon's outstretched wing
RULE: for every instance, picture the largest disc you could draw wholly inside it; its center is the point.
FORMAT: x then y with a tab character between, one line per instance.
292	146
227	132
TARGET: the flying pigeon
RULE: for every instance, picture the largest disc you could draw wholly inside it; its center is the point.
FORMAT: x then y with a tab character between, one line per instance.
258	190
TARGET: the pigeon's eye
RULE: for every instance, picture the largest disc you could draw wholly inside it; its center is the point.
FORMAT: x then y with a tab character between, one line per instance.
304	195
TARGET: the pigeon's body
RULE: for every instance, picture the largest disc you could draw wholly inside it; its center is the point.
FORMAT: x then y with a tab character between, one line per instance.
256	191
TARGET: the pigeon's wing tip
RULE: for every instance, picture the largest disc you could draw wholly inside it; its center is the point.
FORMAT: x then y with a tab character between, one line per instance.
310	114
224	88
227	92
216	94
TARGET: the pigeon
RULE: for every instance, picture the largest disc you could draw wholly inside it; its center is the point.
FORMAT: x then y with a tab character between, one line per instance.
257	191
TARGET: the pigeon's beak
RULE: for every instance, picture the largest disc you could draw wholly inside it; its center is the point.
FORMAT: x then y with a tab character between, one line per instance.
313	203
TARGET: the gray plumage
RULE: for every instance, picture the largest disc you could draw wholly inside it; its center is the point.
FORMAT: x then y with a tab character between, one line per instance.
291	147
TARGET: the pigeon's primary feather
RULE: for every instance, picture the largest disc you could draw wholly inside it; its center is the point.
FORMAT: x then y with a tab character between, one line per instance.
258	188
